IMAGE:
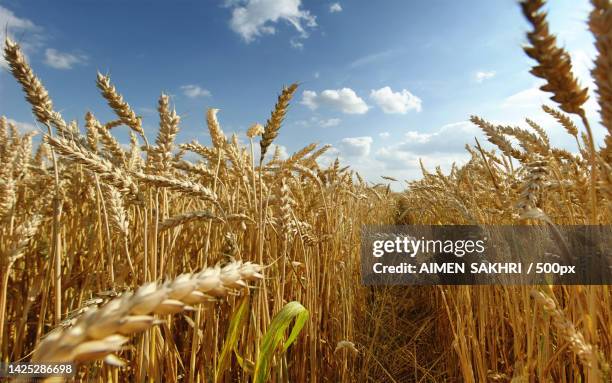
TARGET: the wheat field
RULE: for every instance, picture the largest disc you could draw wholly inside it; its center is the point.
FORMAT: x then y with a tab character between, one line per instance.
180	262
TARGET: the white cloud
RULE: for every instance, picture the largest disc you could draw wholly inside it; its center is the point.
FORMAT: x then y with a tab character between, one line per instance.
335	7
484	75
331	122
284	154
62	60
296	43
319	122
400	159
527	103
194	91
395	102
406	164
344	99
582	63
23	127
8	19
356	146
392	159
16	25
384	134
527	98
533	97
255	18
316	75
371	58
450	138
441	147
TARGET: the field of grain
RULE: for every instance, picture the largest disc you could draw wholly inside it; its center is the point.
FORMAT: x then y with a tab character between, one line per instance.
141	265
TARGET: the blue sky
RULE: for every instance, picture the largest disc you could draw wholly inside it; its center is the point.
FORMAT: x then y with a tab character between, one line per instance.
385	82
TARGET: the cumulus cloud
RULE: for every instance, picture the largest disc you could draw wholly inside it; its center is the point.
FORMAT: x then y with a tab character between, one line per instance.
62	60
395	102
16	25
335	7
384	134
345	100
194	91
441	147
407	165
392	159
530	97
484	75
356	146
450	138
31	38
254	18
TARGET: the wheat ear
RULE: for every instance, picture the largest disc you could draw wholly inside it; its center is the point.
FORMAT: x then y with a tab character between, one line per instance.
600	23
585	351
121	108
276	118
554	63
216	134
99	332
36	94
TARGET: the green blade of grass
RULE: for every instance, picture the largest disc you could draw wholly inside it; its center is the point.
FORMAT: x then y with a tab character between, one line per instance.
274	336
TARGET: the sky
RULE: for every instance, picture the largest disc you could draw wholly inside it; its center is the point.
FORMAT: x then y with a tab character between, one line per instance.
386	83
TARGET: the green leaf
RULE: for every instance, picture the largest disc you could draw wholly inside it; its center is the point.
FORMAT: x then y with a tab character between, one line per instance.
275	334
246	364
231	340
